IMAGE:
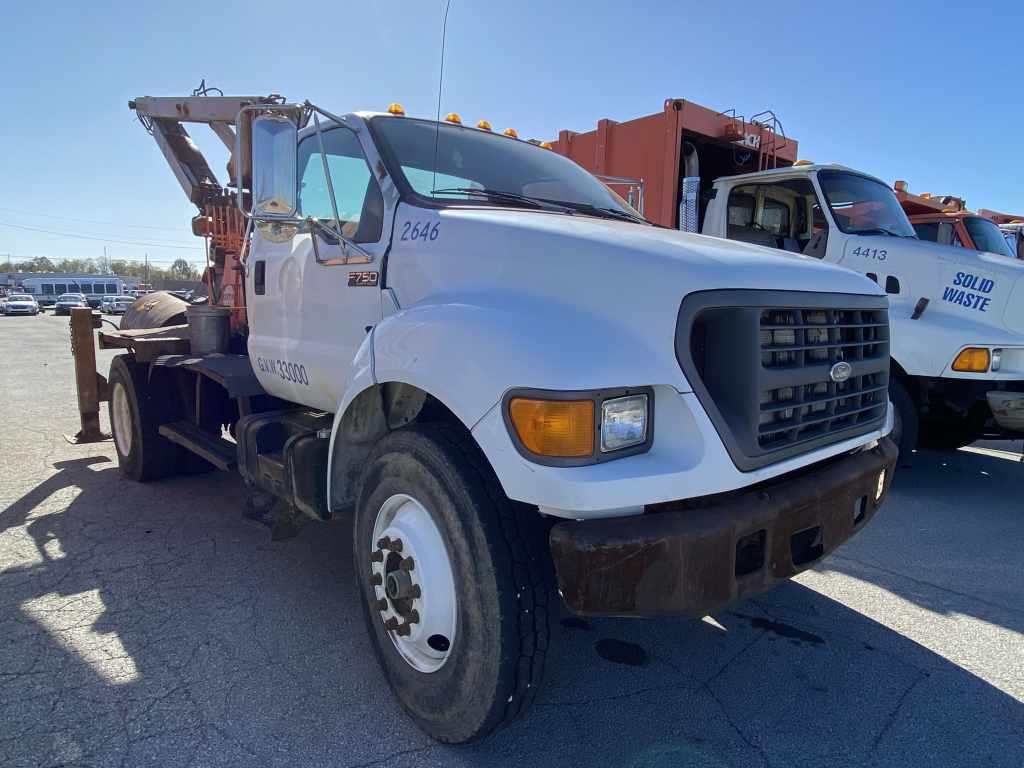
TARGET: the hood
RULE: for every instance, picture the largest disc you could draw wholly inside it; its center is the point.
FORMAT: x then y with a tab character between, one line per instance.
974	286
539	284
705	262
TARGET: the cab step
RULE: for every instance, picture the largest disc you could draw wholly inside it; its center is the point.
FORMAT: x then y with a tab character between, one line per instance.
284	453
220	452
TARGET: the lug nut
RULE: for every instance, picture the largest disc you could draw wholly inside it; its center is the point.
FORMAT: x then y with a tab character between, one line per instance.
396	545
407	564
415	591
414	617
376	580
391	624
380	605
384	543
376	556
404	630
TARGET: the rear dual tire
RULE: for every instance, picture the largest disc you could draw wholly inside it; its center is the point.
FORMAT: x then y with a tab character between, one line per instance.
137	408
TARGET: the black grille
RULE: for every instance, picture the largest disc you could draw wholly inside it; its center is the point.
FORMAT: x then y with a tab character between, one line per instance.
762	364
794	339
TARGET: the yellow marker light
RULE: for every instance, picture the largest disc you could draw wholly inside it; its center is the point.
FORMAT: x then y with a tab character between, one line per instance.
511	133
452	117
972	360
557	428
483	125
395	108
803	162
546	145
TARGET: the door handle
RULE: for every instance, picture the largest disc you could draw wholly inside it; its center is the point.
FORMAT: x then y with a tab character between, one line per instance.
259	278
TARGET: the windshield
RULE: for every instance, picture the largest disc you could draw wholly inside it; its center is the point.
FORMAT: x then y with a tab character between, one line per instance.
70	297
987	236
863	206
19	298
472	159
123	299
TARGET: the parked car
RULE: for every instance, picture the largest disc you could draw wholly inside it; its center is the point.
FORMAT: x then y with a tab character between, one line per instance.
117	305
68	301
20	304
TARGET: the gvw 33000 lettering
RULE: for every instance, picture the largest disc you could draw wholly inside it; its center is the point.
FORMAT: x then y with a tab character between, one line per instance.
293	372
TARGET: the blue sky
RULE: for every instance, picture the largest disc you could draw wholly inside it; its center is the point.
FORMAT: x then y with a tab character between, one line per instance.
901	90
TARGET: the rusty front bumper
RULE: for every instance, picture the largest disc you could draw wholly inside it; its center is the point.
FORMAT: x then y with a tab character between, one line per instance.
689	558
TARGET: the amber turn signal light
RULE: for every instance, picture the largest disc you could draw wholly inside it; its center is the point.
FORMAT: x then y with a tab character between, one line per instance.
556	428
972	360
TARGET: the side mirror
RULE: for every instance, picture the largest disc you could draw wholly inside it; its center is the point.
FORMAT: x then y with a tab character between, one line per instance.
274	185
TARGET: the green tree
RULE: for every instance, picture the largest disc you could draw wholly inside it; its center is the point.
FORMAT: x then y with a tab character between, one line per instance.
40	264
181	270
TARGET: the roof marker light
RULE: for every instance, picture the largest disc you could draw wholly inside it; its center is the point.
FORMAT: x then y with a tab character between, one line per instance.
511	133
803	162
394	108
483	125
453	117
546	145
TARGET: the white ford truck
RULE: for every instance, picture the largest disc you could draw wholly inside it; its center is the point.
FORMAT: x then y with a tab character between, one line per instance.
509	384
957	315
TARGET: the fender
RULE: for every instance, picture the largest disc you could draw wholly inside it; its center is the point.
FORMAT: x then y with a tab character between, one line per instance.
467	354
360	380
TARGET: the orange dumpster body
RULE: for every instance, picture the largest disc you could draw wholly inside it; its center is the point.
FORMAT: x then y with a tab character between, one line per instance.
650	150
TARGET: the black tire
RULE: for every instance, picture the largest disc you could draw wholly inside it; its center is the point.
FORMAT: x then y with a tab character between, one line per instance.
948	435
905	421
149	456
502	582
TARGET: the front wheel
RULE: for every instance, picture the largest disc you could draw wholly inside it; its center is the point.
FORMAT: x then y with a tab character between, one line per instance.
905	421
455	583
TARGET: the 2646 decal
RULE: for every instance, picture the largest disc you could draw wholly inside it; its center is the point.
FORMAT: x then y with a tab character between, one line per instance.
421	230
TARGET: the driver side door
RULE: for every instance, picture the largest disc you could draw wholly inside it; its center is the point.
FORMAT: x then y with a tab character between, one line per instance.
316	300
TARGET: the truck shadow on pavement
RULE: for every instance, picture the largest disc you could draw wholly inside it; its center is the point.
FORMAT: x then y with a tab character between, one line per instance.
949	539
152	625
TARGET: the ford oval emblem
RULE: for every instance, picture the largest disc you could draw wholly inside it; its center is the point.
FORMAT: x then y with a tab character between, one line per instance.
840	372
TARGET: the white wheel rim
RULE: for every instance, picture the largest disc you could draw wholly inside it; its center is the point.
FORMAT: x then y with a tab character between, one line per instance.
413	584
121	419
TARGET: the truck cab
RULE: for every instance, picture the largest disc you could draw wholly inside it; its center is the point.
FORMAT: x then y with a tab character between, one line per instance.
957	312
518	392
947	221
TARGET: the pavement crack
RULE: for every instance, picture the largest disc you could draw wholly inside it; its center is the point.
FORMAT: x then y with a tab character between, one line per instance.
393	755
891	719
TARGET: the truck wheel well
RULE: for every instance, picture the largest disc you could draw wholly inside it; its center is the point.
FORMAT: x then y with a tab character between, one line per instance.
372	414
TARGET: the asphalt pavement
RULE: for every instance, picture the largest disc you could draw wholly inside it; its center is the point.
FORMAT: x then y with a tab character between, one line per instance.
153	625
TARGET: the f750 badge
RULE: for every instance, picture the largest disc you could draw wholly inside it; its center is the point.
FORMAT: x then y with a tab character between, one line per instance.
363	279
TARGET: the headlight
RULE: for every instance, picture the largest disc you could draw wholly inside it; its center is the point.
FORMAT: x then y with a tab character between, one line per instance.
972	360
581	427
623	422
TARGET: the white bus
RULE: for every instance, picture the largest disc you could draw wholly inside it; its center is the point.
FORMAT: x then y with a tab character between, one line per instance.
95	287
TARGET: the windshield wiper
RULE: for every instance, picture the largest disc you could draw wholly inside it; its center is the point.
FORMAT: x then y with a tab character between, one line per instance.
882	231
500	195
607	213
564	206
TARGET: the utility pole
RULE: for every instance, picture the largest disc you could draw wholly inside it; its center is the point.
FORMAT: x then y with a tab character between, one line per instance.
147	271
